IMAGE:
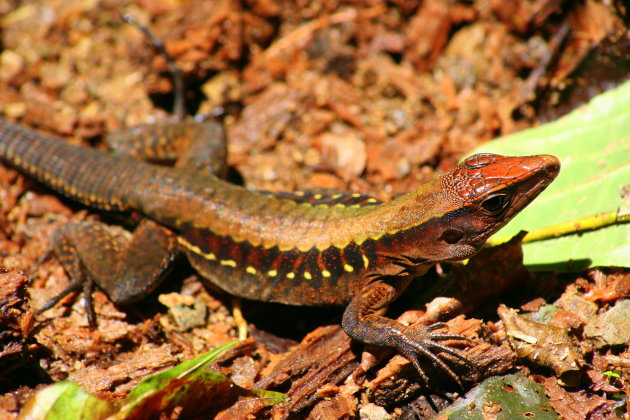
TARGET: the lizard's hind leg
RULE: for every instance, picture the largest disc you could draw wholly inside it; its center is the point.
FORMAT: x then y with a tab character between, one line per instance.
125	266
186	144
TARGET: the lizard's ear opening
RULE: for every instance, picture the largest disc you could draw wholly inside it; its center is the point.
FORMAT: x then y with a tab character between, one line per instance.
452	236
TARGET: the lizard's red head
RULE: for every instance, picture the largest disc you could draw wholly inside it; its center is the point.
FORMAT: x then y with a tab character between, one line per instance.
489	191
466	205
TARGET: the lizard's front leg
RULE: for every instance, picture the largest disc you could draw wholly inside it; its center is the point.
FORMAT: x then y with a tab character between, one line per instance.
363	320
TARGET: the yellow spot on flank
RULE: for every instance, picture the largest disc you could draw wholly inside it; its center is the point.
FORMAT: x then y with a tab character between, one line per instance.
326	273
371	200
336	196
356	195
348	268
307	275
229	263
291	275
299	193
272	273
317	196
250	270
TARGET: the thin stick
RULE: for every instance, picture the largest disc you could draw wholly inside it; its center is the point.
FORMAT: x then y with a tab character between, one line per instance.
591	222
179	109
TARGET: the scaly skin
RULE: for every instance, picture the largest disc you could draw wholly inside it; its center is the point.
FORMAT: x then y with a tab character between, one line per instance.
281	248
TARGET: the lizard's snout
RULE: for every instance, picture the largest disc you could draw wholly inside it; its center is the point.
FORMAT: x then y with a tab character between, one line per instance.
551	164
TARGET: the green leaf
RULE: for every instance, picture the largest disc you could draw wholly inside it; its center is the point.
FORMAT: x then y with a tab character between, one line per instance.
65	401
509	397
593	144
612	374
189	368
192	389
188	387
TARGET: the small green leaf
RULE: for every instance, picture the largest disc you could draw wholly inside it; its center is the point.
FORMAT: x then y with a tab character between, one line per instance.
508	397
65	401
270	397
593	144
612	374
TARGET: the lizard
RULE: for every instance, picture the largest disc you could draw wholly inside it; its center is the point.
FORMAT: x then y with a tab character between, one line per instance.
293	248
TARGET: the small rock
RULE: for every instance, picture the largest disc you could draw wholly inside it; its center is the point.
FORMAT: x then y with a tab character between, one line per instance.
188	318
373	412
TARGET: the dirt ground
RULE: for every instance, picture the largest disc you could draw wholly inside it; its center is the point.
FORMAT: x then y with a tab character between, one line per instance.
361	96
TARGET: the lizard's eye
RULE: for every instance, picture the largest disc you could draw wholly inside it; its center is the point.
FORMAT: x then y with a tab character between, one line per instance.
495	204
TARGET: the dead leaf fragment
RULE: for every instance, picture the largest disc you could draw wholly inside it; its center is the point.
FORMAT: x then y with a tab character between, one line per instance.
543	344
612	327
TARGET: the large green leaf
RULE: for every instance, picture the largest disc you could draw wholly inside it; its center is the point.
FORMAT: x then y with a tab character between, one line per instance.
188	387
192	388
593	143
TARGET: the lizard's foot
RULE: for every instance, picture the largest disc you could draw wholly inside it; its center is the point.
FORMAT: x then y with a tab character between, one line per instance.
415	343
362	320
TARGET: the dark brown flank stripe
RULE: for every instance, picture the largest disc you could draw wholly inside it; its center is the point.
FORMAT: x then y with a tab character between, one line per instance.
268	256
309	265
331	262
254	258
249	257
353	255
228	252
